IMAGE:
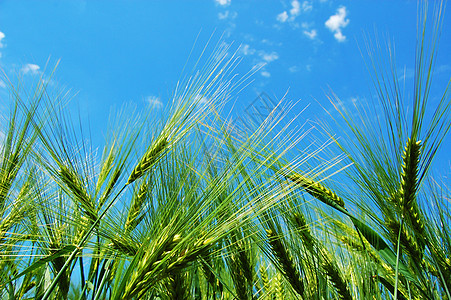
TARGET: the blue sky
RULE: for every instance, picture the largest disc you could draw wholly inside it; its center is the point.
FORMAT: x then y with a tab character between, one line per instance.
118	52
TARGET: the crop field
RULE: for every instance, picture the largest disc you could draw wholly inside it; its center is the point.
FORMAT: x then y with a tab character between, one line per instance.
190	205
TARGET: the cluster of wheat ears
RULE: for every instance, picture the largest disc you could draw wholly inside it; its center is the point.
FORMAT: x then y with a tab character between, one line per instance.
191	207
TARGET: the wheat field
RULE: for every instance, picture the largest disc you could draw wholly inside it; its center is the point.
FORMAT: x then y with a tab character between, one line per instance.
191	206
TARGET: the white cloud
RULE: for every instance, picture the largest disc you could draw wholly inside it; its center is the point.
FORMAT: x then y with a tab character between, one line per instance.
307	6
295	8
2	36
443	68
293	69
265	74
282	17
339	36
30	69
2	84
154	102
223	2
269	57
222	16
311	34
227	15
337	22
247	50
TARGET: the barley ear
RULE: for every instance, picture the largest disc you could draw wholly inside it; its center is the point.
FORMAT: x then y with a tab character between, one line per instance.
76	187
149	159
335	276
409	174
317	190
265	279
133	217
123	245
409	187
177	285
288	267
298	220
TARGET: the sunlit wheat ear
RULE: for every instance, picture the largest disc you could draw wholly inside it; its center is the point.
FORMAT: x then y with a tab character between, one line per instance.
298	220
177	286
317	190
124	246
109	189
15	216
160	269
266	286
136	206
149	159
407	240
241	268
356	245
160	262
278	287
335	277
288	267
74	184
409	187
409	174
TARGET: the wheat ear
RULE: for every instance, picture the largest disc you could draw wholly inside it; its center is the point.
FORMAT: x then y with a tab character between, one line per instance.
162	261
298	220
278	287
124	246
409	182
265	280
177	286
136	206
409	187
317	190
284	258
74	184
335	276
407	240
241	270
149	159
